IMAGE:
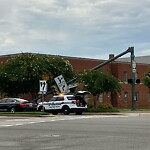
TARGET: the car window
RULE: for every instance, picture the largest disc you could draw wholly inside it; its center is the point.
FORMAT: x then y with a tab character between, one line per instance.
10	100
53	99
60	98
3	101
70	97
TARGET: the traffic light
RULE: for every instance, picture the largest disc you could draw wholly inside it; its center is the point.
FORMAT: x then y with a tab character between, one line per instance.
137	81
130	81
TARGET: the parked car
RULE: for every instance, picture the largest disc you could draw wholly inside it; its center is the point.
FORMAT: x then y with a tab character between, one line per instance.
63	104
16	105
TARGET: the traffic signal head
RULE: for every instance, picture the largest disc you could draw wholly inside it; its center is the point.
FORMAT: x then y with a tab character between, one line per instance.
136	81
130	81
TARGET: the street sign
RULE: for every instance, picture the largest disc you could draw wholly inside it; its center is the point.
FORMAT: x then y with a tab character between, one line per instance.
61	83
134	70
133	64
43	86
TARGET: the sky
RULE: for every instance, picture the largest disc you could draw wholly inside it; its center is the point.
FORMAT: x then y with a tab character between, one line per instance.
76	28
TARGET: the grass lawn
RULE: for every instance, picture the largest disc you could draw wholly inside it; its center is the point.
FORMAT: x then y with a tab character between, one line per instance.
33	113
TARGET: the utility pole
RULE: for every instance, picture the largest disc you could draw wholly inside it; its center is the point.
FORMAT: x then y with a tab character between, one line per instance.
133	71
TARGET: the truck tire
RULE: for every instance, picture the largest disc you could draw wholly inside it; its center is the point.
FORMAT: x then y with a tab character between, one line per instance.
66	110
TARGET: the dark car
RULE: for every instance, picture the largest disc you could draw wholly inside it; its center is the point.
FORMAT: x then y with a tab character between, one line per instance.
16	105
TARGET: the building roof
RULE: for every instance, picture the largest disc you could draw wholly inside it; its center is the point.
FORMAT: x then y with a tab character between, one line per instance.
139	59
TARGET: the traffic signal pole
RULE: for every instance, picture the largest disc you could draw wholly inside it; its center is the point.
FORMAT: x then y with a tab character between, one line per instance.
133	71
112	59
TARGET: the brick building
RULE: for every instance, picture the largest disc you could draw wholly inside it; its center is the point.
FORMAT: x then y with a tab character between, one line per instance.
120	69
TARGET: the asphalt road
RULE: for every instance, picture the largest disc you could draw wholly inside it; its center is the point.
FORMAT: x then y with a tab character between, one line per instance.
86	132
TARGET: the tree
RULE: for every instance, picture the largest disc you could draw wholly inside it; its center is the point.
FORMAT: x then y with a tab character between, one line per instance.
96	82
22	73
146	80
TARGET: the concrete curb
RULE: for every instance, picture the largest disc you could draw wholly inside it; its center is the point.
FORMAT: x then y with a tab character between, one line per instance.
120	113
85	113
25	115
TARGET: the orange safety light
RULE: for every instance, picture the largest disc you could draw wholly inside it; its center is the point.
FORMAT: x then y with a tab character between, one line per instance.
61	94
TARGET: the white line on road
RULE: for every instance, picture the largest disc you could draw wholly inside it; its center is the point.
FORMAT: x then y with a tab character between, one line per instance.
16	122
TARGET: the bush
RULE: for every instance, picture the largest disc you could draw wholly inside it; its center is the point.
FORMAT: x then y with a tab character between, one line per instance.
90	106
102	108
105	106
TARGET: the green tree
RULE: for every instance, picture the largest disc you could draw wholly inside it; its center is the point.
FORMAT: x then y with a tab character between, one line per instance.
146	80
22	73
98	82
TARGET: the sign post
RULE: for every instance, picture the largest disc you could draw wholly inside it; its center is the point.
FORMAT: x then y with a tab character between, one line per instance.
43	88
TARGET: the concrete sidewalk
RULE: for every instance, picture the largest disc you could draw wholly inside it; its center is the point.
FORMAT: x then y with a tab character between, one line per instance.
128	113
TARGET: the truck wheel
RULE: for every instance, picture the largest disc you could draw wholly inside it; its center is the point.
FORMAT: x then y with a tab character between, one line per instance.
66	110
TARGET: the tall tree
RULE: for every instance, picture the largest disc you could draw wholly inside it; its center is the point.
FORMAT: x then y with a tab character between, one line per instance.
98	82
146	80
22	73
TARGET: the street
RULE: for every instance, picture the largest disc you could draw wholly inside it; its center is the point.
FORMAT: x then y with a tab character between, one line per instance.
72	132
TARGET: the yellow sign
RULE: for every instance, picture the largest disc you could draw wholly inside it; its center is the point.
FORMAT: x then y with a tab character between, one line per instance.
45	77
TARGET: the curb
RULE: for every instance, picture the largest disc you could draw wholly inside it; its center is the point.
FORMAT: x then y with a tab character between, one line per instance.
85	113
25	115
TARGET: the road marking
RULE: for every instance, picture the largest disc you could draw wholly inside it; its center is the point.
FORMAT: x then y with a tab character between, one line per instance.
27	121
31	122
53	120
7	125
42	121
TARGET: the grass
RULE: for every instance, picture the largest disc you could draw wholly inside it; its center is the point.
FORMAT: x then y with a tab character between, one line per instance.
33	113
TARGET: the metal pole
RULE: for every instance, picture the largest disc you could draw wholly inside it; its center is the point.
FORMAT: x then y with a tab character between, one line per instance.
112	59
133	79
42	96
105	62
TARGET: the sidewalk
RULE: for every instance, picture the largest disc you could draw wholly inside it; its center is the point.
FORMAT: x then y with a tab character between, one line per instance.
128	113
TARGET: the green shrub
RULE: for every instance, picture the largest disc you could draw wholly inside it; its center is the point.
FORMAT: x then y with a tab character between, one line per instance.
90	106
105	106
102	108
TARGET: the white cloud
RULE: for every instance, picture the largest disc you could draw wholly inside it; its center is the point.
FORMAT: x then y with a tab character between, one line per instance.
84	28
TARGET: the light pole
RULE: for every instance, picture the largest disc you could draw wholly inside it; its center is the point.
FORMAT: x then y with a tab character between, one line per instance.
133	71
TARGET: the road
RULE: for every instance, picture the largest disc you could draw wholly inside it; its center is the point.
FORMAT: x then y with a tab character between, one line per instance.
86	132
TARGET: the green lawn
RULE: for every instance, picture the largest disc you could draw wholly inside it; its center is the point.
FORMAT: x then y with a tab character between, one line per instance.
33	113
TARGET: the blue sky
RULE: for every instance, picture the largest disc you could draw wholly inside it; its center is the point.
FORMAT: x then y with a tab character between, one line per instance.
77	28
